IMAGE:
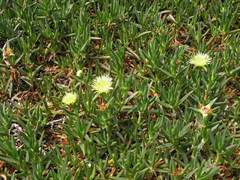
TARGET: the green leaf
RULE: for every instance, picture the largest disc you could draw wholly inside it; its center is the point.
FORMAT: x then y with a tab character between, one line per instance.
234	31
185	97
229	151
235	70
210	173
7	159
164	104
142	34
165	72
190	174
130	97
118	178
36	71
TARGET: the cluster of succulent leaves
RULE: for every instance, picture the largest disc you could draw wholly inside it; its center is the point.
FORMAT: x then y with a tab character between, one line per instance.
149	126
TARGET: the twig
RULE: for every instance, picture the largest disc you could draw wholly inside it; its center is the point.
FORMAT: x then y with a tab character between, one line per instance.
55	121
13	39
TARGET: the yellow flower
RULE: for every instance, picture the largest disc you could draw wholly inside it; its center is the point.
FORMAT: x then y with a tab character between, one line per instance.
102	84
200	59
69	98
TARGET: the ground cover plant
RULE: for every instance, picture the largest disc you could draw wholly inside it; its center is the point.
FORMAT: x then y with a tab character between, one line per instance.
119	90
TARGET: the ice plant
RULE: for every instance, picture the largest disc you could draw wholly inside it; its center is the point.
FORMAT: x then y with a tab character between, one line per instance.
102	84
79	73
69	98
8	52
234	124
200	59
205	110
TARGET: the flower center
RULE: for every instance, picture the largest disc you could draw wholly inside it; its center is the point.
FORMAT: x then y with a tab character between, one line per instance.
200	61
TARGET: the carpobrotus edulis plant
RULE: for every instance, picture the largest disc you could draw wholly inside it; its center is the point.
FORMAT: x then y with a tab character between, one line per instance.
102	84
69	98
200	59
